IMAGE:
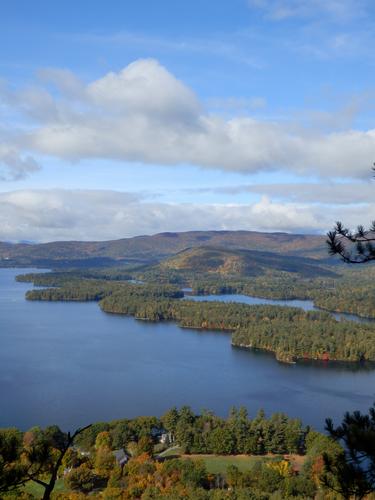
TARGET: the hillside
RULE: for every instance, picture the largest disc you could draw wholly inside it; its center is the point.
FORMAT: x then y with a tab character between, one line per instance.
156	247
239	263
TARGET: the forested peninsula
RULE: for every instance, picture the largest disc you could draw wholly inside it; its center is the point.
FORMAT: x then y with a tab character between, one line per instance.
343	295
215	270
290	333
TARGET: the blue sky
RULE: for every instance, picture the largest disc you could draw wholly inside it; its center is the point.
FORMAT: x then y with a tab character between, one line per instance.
124	118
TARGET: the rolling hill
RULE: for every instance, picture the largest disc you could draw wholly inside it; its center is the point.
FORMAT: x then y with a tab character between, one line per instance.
154	248
240	263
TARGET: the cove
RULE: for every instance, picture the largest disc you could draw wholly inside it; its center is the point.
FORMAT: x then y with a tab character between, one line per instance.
71	364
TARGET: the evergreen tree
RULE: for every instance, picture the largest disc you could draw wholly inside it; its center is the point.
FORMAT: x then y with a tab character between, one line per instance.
353	470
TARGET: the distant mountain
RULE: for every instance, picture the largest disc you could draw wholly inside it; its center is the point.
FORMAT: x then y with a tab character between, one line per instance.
240	263
159	246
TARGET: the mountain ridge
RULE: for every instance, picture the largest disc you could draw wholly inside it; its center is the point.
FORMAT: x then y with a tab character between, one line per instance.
161	245
213	260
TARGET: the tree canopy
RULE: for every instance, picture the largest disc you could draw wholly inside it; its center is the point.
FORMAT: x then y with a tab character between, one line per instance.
352	473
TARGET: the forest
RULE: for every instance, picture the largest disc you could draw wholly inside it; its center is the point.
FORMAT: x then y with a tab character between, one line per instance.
180	455
349	292
290	333
333	288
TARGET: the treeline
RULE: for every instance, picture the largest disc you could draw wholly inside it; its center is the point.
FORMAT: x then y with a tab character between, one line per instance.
206	433
94	290
131	459
350	293
57	278
309	337
284	287
356	299
354	294
343	295
290	333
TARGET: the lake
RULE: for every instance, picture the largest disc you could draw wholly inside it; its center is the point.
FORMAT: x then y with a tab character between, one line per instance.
306	305
72	364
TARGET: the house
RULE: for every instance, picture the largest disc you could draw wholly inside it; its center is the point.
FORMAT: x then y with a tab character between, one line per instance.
81	452
162	435
166	438
121	457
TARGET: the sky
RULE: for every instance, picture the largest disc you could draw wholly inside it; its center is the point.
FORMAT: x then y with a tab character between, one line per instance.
123	118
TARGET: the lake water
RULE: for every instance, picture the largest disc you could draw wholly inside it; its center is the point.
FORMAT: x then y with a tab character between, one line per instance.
72	364
306	305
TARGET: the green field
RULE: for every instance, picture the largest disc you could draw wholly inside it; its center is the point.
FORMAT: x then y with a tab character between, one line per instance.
36	490
218	464
174	451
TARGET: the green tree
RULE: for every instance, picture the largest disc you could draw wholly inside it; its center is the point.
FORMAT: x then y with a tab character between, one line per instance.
269	479
222	441
81	478
104	461
86	438
104	438
12	471
170	419
122	434
355	247
41	455
353	471
193	472
145	445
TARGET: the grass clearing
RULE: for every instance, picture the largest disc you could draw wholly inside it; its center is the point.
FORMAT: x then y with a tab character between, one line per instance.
174	451
36	490
218	464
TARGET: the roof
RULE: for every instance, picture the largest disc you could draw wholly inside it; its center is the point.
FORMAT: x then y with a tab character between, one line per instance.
120	456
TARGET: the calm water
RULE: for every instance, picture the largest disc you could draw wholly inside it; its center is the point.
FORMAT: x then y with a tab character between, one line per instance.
306	305
71	364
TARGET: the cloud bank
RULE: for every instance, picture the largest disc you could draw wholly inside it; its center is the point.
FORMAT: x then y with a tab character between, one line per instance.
48	215
324	193
143	113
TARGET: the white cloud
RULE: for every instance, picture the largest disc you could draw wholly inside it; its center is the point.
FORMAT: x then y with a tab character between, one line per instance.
324	193
145	114
327	193
144	88
14	165
63	79
47	215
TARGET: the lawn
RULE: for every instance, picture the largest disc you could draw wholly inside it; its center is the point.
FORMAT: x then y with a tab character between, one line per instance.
36	490
174	451
218	464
